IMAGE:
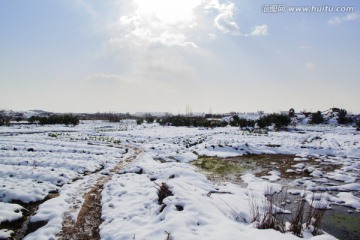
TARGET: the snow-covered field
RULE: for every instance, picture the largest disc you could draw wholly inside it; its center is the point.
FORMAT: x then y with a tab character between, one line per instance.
38	160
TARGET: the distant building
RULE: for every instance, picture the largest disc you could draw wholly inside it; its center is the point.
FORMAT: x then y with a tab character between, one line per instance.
291	112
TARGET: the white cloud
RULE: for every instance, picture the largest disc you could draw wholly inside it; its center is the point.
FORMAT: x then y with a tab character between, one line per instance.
225	19
261	30
152	47
339	20
87	7
144	27
104	78
304	47
212	36
310	65
212	4
173	39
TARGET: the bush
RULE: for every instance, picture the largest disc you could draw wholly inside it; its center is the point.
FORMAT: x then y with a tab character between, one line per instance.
358	125
246	123
185	121
4	120
241	122
235	121
343	118
70	120
149	119
18	119
264	122
317	118
66	119
278	120
32	119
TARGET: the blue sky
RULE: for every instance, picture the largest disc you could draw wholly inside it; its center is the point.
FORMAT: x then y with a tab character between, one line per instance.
162	55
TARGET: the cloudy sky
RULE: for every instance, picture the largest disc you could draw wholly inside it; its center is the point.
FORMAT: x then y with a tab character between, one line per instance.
162	55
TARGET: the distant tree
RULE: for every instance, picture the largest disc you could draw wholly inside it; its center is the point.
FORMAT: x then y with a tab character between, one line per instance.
210	115
316	118
343	118
223	123
67	119
32	119
149	118
278	120
18	119
235	121
243	123
114	117
70	120
264	122
188	121
4	120
358	125
139	121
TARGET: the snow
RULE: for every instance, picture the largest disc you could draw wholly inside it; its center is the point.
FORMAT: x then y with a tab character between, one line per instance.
54	210
273	176
259	185
70	160
185	157
10	212
349	200
5	233
24	190
130	200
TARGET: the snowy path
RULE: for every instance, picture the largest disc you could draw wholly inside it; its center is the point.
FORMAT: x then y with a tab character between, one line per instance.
89	219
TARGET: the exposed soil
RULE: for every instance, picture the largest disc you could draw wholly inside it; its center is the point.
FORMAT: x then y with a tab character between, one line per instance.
230	169
22	226
223	169
89	218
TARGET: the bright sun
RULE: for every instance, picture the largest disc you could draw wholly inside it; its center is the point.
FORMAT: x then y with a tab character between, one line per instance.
169	11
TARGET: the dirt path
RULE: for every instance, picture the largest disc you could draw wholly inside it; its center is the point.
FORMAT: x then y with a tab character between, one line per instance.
89	219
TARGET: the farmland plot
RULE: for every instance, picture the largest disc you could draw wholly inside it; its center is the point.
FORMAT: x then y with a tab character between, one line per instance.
135	162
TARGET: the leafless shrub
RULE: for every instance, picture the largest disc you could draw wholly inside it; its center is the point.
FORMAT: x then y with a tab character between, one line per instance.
168	237
297	218
163	192
254	208
303	216
269	219
315	215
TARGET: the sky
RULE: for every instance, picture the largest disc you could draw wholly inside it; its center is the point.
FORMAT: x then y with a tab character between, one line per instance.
164	55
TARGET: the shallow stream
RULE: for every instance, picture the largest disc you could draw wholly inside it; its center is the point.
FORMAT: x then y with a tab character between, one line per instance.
341	222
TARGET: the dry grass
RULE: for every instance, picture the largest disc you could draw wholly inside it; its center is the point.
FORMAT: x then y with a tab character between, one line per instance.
304	216
163	192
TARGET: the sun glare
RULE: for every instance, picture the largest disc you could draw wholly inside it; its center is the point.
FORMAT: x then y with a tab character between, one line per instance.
169	11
